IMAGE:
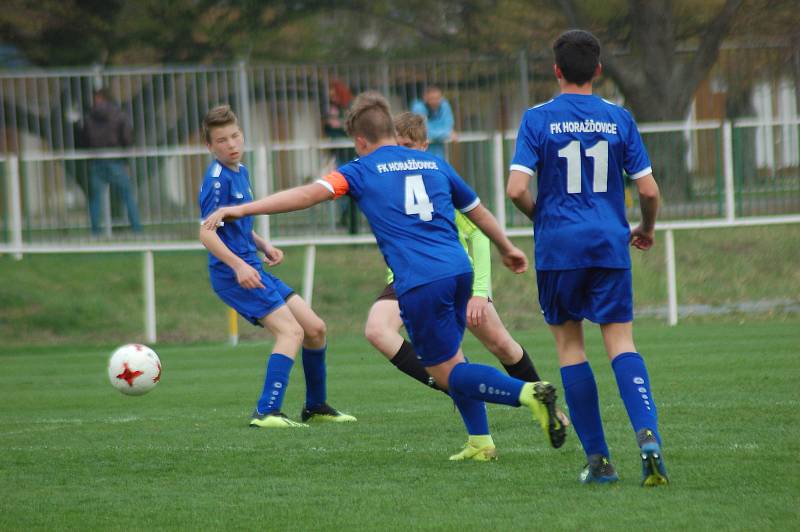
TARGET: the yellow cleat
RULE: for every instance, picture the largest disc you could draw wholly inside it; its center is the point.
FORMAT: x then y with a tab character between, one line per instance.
274	420
479	454
540	397
325	412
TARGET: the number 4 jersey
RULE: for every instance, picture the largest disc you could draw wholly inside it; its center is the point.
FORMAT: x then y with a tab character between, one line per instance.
408	197
579	145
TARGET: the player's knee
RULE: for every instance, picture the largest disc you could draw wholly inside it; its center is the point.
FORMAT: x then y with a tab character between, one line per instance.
374	332
316	331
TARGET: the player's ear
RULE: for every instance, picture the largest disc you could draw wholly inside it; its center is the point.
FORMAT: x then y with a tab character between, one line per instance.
425	145
598	71
557	71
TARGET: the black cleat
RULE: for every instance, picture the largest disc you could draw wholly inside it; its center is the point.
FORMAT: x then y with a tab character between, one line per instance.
325	412
599	470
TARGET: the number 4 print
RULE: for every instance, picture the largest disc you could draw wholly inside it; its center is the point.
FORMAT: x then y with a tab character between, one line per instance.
572	153
417	201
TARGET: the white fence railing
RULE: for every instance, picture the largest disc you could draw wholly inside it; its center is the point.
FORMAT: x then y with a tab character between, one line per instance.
263	184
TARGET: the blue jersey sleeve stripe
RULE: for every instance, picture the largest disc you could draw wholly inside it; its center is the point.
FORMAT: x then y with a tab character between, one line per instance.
520	168
471	206
641	173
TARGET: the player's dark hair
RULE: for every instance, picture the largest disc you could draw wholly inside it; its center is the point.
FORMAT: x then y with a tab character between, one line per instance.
411	126
577	54
220	116
370	117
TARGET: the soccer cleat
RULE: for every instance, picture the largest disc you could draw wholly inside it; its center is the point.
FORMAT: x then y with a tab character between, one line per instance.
563	417
653	471
325	412
273	420
542	402
479	454
598	471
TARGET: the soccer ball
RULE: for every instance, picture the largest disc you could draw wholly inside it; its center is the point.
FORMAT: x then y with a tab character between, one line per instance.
134	369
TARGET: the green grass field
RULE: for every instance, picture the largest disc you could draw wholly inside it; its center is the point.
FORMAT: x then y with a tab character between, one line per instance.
97	298
76	454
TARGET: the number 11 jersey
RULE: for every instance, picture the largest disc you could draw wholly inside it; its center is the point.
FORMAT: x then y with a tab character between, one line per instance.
409	197
579	145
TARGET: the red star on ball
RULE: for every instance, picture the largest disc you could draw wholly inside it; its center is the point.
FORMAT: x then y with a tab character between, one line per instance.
128	375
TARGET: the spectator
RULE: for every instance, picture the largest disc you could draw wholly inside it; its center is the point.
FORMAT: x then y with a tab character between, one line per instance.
108	127
339	98
439	118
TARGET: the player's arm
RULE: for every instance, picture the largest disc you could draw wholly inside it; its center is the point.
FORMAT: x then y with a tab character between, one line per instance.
643	235
513	257
293	199
518	191
480	251
246	275
272	255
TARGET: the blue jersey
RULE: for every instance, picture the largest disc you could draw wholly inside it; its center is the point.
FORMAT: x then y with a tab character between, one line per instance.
222	187
409	197
579	145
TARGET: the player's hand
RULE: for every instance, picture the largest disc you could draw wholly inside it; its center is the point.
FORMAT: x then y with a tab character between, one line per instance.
216	218
515	260
476	310
272	255
641	239
248	277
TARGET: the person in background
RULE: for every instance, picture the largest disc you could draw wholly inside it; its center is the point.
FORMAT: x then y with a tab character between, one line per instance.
438	115
339	98
108	127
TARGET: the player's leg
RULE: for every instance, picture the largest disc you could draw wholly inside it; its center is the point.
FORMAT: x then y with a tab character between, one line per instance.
480	445
633	383
612	307
560	297
265	307
492	333
382	331
430	315
316	407
435	318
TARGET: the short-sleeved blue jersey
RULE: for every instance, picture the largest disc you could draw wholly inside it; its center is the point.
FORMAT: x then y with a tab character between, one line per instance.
408	197
222	187
579	145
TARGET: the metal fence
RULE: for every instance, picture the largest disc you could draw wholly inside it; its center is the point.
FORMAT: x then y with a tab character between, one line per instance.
734	161
46	169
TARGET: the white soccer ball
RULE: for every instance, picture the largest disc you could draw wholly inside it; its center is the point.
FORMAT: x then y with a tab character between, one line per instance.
134	369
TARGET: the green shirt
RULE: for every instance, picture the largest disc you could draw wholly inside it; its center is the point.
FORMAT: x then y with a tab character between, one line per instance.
476	244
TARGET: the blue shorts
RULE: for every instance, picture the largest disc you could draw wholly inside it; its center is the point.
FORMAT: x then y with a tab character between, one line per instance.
435	316
601	295
255	303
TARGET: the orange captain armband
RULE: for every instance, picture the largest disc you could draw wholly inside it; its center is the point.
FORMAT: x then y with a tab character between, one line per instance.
336	183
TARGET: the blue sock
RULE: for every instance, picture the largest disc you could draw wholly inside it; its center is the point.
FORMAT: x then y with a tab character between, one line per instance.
315	371
275	382
484	383
634	388
580	392
473	413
